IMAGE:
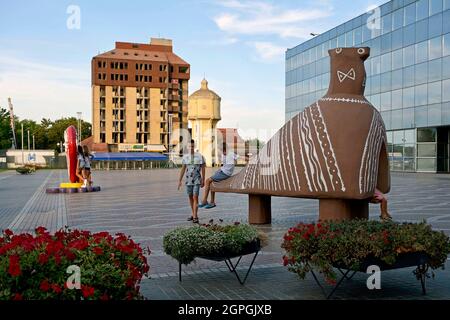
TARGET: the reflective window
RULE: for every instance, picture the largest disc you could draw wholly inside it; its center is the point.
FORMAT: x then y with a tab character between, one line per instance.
408	118
366	33
397	59
385	101
397	79
397	99
434	92
434	115
435	6
375	84
399	137
386	23
421	52
434	70
427	164
422	30
386	43
396	119
446	90
349	39
410	14
446	17
410	136
446	68
409	35
357	36
397	39
408	56
422	9
421	73
446	44
386	62
421	95
376	65
446	4
426	150
397	19
408	97
421	116
387	119
426	135
435	25
375	100
385	82
435	48
446	113
375	48
341	41
408	76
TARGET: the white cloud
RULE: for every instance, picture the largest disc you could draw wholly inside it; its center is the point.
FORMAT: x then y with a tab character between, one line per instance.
262	18
268	51
42	90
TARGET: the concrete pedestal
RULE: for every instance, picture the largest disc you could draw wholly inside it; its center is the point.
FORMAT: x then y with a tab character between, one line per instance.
259	209
337	209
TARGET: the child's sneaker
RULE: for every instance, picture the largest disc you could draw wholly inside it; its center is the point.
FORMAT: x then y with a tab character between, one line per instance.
201	205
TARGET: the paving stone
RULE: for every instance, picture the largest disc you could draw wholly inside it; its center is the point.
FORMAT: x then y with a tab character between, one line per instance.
146	204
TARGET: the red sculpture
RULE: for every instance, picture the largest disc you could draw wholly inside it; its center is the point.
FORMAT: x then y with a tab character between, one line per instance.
70	140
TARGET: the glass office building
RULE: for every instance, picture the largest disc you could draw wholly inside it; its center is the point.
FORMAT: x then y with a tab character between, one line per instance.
408	77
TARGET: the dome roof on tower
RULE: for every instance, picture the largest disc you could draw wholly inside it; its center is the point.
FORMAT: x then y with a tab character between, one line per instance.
204	92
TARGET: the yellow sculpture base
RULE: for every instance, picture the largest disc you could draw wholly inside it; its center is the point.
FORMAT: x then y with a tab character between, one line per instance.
70	185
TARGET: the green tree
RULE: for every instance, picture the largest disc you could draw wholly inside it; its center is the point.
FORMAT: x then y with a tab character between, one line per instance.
55	133
5	129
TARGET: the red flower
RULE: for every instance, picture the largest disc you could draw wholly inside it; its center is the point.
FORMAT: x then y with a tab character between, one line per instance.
104	297
285	261
98	251
56	288
79	244
43	258
8	232
14	266
87	291
57	259
17	296
70	255
40	230
44	286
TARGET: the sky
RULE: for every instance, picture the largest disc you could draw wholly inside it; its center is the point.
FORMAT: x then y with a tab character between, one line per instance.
238	45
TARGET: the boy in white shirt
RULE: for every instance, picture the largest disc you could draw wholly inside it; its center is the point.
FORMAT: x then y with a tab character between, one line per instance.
226	171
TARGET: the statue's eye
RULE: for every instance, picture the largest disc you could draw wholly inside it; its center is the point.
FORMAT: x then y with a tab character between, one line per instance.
338	50
361	50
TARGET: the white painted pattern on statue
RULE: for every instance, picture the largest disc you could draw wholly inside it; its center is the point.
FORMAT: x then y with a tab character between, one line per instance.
340	181
346	100
351	74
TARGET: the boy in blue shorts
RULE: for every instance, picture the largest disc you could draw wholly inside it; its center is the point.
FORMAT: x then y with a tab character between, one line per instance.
193	164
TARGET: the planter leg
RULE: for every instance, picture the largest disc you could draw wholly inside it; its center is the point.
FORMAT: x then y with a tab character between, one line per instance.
248	271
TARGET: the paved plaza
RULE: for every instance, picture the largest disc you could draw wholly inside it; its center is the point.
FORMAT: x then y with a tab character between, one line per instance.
146	204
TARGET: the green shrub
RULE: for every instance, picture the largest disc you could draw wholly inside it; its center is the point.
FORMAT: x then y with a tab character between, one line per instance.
186	243
349	242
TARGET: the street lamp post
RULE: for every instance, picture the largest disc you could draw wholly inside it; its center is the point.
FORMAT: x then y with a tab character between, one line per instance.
28	133
170	136
23	160
79	127
34	146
